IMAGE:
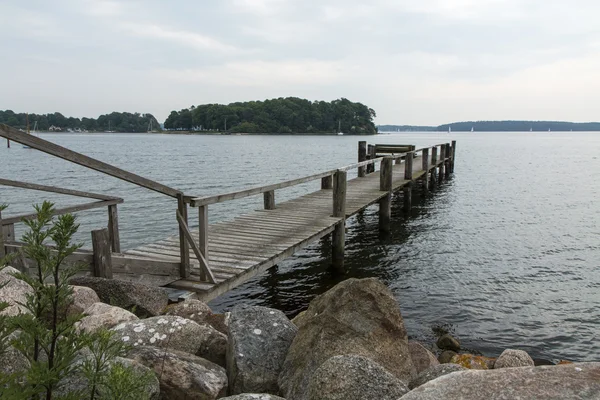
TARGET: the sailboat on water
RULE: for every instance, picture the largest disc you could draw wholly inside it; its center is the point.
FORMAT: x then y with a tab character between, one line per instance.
340	133
109	130
472	129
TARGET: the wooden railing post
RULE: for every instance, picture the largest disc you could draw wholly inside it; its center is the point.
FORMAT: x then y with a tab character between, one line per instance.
113	229
184	251
425	169
362	156
269	200
339	210
448	153
102	253
442	162
203	237
327	182
385	203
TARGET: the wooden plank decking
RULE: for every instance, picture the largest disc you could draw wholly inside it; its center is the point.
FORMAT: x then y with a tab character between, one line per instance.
251	243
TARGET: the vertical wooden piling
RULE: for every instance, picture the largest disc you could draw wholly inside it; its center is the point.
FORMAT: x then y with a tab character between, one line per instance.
113	229
338	238
442	162
408	175
102	253
362	156
434	161
327	182
426	169
453	156
385	203
203	237
370	156
408	166
269	200
448	153
184	251
2	251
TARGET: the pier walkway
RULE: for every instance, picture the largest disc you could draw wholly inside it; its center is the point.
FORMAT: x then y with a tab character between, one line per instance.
210	260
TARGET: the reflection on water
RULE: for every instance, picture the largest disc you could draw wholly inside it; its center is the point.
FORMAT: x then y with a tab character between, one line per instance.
506	252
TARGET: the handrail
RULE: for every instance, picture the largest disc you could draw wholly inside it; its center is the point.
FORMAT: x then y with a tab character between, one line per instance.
220	198
66	210
83	160
53	189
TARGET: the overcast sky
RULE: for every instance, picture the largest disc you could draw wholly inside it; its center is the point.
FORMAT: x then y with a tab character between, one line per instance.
413	61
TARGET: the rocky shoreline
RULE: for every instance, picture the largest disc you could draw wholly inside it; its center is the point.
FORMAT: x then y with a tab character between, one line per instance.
349	344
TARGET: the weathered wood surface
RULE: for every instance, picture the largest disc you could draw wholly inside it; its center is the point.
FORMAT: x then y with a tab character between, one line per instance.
65	210
113	229
53	189
102	253
61	152
239	249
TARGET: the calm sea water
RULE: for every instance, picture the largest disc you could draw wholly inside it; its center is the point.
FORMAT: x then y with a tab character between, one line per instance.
505	254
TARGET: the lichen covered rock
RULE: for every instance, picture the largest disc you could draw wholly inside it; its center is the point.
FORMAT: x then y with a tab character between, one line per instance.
83	298
352	377
175	333
104	316
259	339
182	375
13	292
198	312
470	361
434	372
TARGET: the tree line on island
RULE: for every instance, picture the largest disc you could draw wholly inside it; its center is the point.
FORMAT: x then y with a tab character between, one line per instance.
113	122
282	115
497	126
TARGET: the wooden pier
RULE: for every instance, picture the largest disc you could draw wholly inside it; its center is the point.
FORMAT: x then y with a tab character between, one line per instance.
212	259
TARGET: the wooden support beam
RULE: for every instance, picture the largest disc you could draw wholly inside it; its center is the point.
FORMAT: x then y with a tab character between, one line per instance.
65	210
2	250
190	239
339	210
362	156
434	153
453	156
370	156
327	182
54	189
269	200
407	190
408	169
442	160
203	237
102	253
425	167
8	232
113	229
385	203
184	252
77	158
448	162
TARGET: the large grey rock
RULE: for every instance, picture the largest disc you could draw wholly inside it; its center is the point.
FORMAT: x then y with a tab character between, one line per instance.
182	375
421	358
434	372
198	312
13	361
175	333
352	377
355	317
253	396
560	382
83	298
104	316
144	301
513	358
447	356
259	339
13	292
